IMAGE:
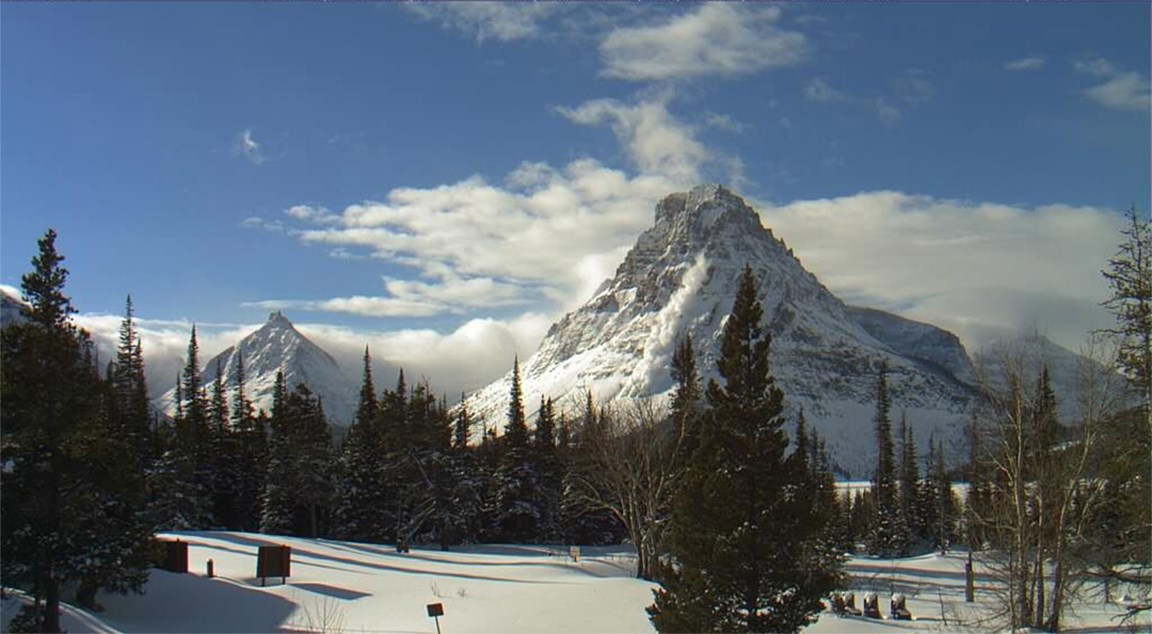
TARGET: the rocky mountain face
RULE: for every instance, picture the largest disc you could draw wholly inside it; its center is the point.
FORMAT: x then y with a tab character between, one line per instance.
278	345
681	277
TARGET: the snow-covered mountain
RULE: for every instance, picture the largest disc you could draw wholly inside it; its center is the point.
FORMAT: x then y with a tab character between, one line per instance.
681	277
278	345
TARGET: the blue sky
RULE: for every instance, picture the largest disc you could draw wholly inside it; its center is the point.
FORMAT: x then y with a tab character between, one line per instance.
439	172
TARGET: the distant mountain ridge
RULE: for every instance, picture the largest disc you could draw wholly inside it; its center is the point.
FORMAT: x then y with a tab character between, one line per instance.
274	346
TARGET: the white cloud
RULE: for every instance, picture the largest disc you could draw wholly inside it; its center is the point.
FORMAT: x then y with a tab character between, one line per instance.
820	91
501	21
973	268
655	140
465	359
889	114
1097	66
547	234
716	39
724	122
247	147
1126	91
318	215
1122	90
1026	63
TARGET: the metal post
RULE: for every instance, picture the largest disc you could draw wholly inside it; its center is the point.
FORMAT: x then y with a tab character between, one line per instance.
437	624
211	569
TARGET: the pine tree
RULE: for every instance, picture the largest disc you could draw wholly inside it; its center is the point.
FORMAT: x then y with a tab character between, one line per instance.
518	516
70	485
250	462
886	536
298	489
130	409
1129	274
735	507
360	507
911	527
686	396
549	472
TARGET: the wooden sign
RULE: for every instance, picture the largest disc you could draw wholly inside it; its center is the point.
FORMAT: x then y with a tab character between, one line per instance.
274	561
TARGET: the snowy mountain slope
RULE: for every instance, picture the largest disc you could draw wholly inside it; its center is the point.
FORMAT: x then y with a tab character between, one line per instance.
10	306
917	340
681	277
1068	371
278	345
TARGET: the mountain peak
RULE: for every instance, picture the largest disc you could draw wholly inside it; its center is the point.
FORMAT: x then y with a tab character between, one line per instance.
702	207
278	320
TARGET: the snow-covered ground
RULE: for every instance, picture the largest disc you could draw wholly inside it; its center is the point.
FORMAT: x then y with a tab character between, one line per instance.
347	587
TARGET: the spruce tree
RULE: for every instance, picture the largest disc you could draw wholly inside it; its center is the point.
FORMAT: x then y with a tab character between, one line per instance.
741	541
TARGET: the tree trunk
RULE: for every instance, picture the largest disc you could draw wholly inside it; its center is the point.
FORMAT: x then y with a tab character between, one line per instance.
52	606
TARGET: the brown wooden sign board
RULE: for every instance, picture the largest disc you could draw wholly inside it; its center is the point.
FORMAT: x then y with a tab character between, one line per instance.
274	561
175	556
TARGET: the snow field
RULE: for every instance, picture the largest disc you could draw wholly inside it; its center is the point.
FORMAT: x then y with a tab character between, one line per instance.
370	588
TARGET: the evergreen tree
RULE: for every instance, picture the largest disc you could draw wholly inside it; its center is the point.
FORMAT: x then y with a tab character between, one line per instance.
251	440
518	516
462	427
737	504
912	528
1129	274
298	489
131	417
70	485
182	483
885	539
549	473
360	507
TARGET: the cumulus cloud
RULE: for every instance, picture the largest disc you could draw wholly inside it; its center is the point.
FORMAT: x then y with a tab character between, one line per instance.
820	91
715	39
977	269
1121	90
247	147
1025	63
1126	91
656	141
500	21
545	234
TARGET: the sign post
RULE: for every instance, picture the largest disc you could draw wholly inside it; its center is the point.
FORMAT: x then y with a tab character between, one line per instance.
436	610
